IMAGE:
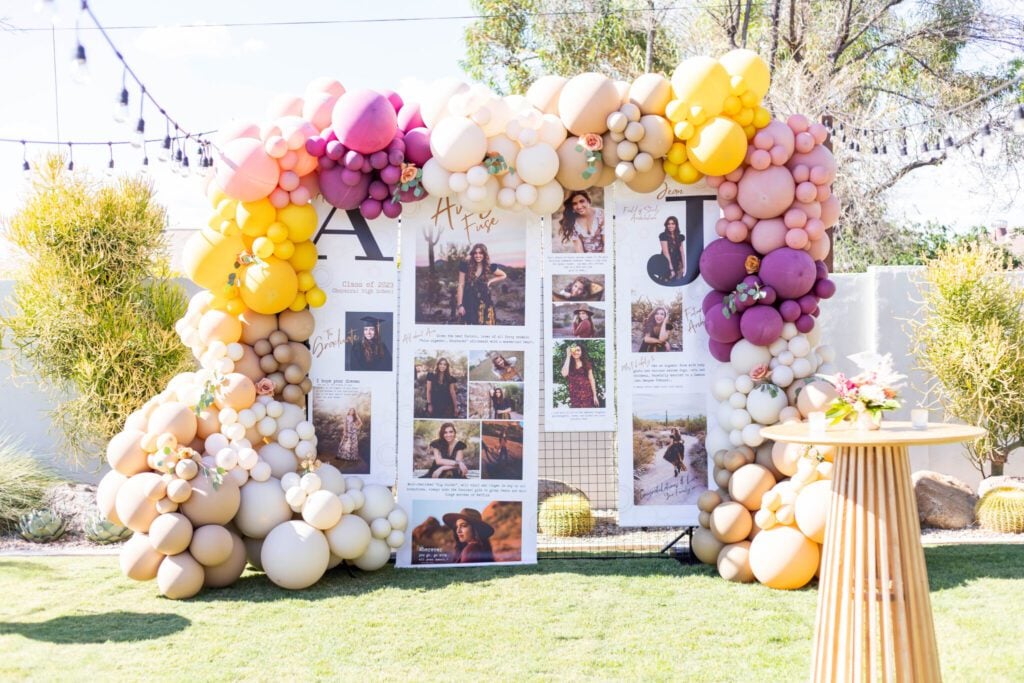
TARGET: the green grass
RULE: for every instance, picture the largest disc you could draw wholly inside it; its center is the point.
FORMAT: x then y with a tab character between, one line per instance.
644	619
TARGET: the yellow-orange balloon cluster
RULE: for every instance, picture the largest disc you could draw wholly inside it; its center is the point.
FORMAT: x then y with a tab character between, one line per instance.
253	256
715	110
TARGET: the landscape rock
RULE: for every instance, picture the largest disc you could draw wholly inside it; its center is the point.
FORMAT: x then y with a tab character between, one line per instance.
943	502
552	487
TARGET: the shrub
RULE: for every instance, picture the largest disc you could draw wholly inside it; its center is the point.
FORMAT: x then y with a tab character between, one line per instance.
969	339
24	482
1002	510
93	310
566	514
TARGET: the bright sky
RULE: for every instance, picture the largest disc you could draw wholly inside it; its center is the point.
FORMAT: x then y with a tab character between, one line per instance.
206	76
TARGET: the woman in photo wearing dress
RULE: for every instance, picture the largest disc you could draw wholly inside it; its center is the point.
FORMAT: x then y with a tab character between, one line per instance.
655	331
448	454
579	371
583	322
504	368
348	447
441	398
474	304
673	248
582	224
501	405
472	536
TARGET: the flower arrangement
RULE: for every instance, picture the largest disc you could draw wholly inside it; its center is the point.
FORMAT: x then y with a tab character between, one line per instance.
590	145
870	392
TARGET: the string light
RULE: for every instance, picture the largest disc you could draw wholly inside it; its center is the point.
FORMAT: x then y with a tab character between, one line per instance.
79	64
110	164
140	128
24	157
71	157
121	108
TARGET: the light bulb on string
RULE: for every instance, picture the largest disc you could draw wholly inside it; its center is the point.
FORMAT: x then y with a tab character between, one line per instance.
121	106
165	148
110	164
79	66
145	159
140	128
1018	120
25	166
986	130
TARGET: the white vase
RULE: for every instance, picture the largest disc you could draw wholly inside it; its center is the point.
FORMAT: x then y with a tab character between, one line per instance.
867	422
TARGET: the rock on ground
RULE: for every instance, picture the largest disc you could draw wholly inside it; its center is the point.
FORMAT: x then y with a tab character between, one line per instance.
943	502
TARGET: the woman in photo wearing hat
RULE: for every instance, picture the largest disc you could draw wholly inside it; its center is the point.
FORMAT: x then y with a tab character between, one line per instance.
448	453
582	322
368	352
472	536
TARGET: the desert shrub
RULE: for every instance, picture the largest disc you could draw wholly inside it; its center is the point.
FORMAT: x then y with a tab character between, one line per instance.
24	482
93	309
566	514
1002	510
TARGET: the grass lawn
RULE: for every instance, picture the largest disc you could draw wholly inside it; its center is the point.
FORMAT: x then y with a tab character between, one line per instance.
78	618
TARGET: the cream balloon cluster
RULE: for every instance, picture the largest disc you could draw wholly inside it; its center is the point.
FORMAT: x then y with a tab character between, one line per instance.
341	520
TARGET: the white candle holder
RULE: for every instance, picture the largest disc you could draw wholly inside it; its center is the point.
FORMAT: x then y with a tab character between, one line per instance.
919	418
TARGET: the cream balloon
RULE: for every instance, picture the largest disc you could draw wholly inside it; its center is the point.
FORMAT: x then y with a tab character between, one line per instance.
377	554
538	164
350	537
295	555
458	144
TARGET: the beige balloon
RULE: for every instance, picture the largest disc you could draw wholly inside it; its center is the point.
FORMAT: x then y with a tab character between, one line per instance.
235	391
219	326
211	545
295	555
180	577
125	453
170	533
811	509
543	93
298	325
734	562
376	556
133	508
106	495
586	101
322	510
207	505
749	483
256	326
227	572
261	507
138	560
706	546
650	92
815	396
708	501
174	418
730	522
350	537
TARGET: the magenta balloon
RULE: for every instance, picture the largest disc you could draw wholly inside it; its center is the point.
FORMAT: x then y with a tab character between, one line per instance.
820	270
391	209
394	98
719	351
396	157
761	325
352	178
417	146
409	117
720	328
378	160
378	190
805	323
245	171
334	149
710	299
391	174
397	145
354	160
409	196
370	208
339	193
791	272
825	289
326	162
723	264
770	295
364	120
808	302
789	310
317	146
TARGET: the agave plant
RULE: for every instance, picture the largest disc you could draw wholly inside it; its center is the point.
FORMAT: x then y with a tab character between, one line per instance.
101	530
42	526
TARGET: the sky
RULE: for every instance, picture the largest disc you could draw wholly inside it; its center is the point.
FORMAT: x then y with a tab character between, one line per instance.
204	76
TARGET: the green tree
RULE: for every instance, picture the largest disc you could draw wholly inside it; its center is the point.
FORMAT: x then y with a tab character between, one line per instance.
969	340
93	309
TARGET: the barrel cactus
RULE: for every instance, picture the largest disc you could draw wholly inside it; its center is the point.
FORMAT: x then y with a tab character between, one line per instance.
1002	510
567	514
41	526
101	530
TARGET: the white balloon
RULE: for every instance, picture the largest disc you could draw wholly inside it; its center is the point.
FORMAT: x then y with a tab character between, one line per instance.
802	368
634	131
289	480
786	357
737	399
751	435
275	409
398	519
476	193
744	383
789	331
506	197
740	418
526	194
477	176
353	484
549	198
736	437
267	426
782	376
527	137
215	443
643	162
435	179
380	528
235	351
778	346
350	537
537	164
799	346
305	430
396	539
376	556
458	182
722	388
295	555
261	472
305	450
617	122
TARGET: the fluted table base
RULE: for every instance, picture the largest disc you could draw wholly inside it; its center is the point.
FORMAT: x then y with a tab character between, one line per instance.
874	619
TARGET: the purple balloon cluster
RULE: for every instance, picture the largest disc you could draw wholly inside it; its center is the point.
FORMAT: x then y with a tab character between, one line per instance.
371	156
786	287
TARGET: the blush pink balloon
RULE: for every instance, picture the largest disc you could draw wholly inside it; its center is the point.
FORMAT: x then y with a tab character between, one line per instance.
763	140
749	220
797	238
720	226
714	181
237	129
736	231
830	211
760	159
284	105
279	198
768	235
245	171
766	193
779	155
305	162
819	132
417	146
820	248
735	175
815	229
824	192
806	192
364	120
798	123
311	184
781	134
317	109
733	212
276	146
804	142
795	218
299	195
394	98
287	162
325	84
409	117
728	190
801	173
289	181
818	156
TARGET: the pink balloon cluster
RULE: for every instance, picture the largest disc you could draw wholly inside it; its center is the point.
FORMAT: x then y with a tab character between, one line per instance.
371	155
766	271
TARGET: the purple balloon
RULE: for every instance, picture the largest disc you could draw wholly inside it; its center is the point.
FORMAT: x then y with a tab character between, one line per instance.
722	264
331	135
821	270
825	289
417	146
409	196
325	162
791	272
816	312
719	351
340	194
770	295
720	328
370	208
396	157
379	160
350	177
334	149
392	209
805	323
397	145
378	190
391	174
394	98
761	325
710	299
316	145
354	160
808	302
409	117
364	120
752	281
790	310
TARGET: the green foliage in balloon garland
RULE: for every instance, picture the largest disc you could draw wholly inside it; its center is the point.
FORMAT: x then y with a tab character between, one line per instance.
968	338
92	313
24	482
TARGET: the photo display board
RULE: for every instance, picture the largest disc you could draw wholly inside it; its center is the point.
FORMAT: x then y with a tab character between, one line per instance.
353	348
468	385
662	352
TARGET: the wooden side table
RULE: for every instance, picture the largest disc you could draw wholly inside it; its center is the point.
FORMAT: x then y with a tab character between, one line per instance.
874	617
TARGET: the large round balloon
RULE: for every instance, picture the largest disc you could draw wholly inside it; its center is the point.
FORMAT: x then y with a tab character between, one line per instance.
585	102
784	558
295	555
717	148
723	264
790	272
246	172
364	120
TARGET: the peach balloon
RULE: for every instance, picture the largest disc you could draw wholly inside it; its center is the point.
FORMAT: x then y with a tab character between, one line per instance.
207	505
106	495
170	533
734	562
783	558
227	572
812	505
135	510
706	546
543	93
138	560
256	326
768	235
211	545
730	522
174	418
235	391
767	193
749	483
125	453
219	326
245	171
179	577
585	101
651	93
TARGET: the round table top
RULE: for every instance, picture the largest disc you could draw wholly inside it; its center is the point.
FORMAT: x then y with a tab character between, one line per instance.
892	433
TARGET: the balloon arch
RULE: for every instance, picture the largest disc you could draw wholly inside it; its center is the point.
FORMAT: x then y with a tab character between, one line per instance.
220	468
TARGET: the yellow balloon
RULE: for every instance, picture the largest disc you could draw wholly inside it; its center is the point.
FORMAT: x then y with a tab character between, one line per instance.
748	71
277	232
684	130
304	257
298	303
718	147
701	82
262	247
235	306
675	111
316	297
300	219
306	281
229	228
670	168
255	217
227	208
745	117
677	153
732	106
269	286
284	250
762	117
688	175
209	257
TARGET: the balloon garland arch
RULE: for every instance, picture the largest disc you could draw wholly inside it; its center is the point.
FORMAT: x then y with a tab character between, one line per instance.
220	468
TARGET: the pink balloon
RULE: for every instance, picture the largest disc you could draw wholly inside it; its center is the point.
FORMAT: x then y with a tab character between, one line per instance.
789	310
733	212
815	229
760	159
339	193
766	193
396	157
326	162
790	271
391	174
300	195
830	211
820	248
710	299
824	192
736	231
804	142
325	84
279	198
720	226
370	208
378	190
317	146
796	238
806	191
335	150
819	132
364	120
805	324
812	209
782	136
276	146
714	181
394	98
735	175
417	146
353	178
720	328
317	109
748	220
818	156
798	123
409	117
311	183
719	351
391	209
728	190
800	172
764	140
305	163
768	235
287	162
289	181
779	155
245	171
284	105
761	325
378	160
795	218
237	129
